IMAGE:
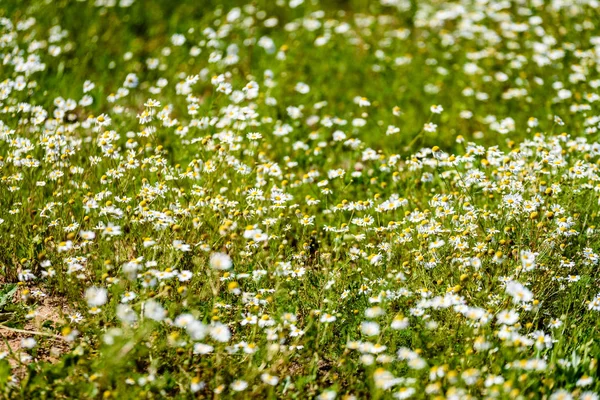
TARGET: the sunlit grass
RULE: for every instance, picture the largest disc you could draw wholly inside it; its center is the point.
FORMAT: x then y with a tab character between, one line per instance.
299	199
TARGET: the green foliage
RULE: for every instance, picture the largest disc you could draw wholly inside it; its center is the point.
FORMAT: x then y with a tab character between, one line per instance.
299	199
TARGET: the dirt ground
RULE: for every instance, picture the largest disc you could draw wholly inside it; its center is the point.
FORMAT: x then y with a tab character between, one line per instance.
48	348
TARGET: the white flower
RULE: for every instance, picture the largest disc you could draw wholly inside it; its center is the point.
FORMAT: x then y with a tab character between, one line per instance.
374	312
587	395
220	332
87	235
400	323
154	310
28	343
239	385
561	394
96	296
430	127
437	109
87	86
302	88
111	230
327	318
404	393
65	246
220	261
327	395
417	363
508	317
519	292
185	276
595	304
196	329
126	314
177	39
370	328
197	385
201	348
269	379
364	102
181	246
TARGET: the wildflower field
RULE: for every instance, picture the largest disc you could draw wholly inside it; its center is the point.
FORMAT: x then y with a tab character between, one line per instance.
300	199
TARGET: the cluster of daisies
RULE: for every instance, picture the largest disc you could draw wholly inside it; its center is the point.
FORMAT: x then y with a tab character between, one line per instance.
226	216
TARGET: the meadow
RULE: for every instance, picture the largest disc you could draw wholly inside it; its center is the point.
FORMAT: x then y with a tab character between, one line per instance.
300	199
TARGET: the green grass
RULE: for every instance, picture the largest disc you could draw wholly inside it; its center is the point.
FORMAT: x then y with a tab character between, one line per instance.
287	242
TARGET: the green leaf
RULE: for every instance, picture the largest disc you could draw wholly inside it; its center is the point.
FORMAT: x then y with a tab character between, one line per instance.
6	294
